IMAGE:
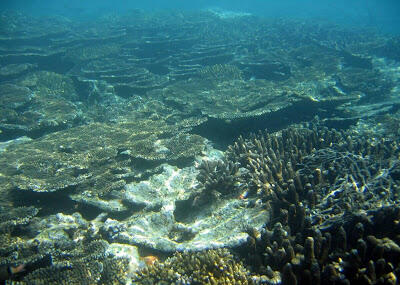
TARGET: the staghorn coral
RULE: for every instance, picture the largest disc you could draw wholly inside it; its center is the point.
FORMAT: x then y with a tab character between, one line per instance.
114	271
362	250
205	267
327	170
333	198
218	178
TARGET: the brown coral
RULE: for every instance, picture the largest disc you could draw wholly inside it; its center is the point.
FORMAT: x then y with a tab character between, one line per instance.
205	267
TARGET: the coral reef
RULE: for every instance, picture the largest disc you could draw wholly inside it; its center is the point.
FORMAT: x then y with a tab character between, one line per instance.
64	250
254	72
10	218
220	72
349	253
206	267
96	158
218	178
109	133
39	103
372	84
333	199
328	170
89	264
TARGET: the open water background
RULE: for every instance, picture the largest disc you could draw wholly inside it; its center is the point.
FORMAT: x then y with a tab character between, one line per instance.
382	15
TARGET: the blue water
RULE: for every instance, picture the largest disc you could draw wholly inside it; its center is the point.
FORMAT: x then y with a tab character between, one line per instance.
383	15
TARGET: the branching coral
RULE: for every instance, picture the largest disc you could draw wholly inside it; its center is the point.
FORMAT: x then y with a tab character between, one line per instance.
219	177
205	267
